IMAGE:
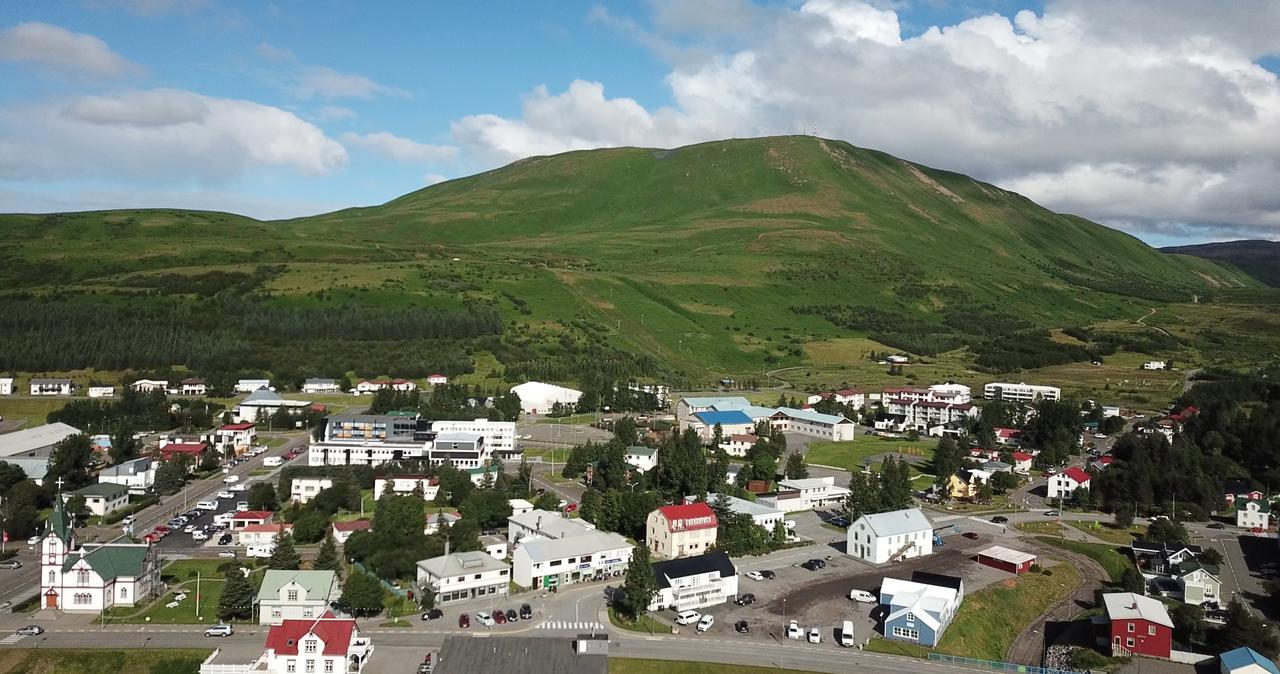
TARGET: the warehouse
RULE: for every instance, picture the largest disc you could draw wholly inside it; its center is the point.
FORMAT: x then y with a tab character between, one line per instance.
1013	561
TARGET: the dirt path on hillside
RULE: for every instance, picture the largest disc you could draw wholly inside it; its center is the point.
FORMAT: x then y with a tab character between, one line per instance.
1028	647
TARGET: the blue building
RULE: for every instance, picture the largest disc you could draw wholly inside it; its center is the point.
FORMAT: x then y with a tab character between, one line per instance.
917	612
1245	660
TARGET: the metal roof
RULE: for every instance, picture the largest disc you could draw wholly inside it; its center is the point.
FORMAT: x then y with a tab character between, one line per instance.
33	439
897	522
1008	555
546	549
1130	606
459	563
736	417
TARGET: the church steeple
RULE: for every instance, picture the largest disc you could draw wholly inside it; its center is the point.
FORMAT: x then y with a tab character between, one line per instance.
59	522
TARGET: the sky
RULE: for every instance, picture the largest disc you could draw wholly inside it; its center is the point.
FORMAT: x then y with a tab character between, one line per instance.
1160	118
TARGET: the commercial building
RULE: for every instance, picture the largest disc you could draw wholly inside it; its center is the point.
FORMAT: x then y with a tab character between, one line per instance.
930	417
687	407
882	537
731	422
1138	625
137	475
831	427
1005	559
375	439
101	498
263	403
295	595
695	582
816	492
539	398
30	448
553	562
681	530
319	385
1021	392
463	576
499	436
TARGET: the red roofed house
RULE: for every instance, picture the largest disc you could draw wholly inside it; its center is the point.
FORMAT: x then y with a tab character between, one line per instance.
239	437
194	450
985	454
738	444
343	530
261	534
366	386
681	530
1022	462
1008	436
248	517
1139	625
1064	484
437	379
324	644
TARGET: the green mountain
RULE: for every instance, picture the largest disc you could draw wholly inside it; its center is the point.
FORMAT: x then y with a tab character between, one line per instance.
727	257
1259	258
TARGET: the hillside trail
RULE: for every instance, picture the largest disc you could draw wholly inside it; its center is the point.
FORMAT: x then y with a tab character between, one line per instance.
1151	311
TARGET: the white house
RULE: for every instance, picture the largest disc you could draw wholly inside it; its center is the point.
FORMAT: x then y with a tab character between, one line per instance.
343	530
263	403
290	595
6	386
318	385
463	576
538	398
437	519
51	387
681	530
437	380
325	644
1022	462
251	385
519	506
101	391
553	562
898	534
303	489
854	398
261	534
1022	392
1064	484
101	498
816	492
643	458
1253	514
91	578
149	385
371	386
1155	365
495	545
695	582
738	443
761	514
137	475
192	386
406	484
238	437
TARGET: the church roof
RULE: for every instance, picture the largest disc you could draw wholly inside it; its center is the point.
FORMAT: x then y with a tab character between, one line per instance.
111	561
59	521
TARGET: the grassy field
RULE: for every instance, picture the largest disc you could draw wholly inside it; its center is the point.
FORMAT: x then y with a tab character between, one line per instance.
30	411
201	608
854	454
991	618
71	661
636	666
1040	528
1110	558
1108	532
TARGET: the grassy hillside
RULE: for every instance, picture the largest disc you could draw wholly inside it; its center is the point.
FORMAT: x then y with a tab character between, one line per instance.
1259	259
730	257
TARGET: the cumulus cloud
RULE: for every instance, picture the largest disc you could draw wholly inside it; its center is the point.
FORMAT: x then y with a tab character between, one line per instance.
327	83
1134	112
56	47
395	147
160	135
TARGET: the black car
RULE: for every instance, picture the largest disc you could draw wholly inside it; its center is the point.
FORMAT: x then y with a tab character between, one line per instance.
741	626
1217	525
814	564
1000	519
224	539
768	574
526	612
433	614
745	599
512	616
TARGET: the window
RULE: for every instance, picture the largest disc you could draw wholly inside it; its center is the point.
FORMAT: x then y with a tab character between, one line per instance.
124	593
1151	630
293	595
291	666
275	612
310	646
82	577
1129	626
1128	642
911	617
311	665
328	666
53	577
904	633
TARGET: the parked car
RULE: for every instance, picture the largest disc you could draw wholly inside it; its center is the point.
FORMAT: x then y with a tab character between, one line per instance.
745	599
240	487
499	617
526	612
188	529
846	634
231	479
227	554
840	521
199	535
794	631
814	564
225	494
815	635
10	564
705	623
755	575
242	506
485	619
742	627
688	617
464	620
1000	519
225	539
1052	513
219	631
433	614
33	541
768	574
512	616
1217	525
30	630
970	535
863	596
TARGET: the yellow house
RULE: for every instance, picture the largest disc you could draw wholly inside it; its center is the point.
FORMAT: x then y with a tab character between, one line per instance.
965	482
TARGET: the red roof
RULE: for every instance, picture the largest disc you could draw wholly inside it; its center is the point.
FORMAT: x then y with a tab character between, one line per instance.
1106	460
743	437
849	392
336	634
353	525
689	517
437	376
260	528
1077	474
253	515
184	448
1008	432
236	427
1022	456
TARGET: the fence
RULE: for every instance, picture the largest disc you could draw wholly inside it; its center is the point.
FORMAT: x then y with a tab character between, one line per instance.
401	593
998	666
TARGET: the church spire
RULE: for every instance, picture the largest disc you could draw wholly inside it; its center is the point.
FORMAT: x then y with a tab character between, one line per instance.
59	522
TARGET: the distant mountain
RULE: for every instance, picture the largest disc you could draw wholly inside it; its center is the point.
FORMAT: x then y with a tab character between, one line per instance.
1260	259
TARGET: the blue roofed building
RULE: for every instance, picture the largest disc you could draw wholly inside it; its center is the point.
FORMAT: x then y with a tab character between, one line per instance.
731	422
687	407
1245	660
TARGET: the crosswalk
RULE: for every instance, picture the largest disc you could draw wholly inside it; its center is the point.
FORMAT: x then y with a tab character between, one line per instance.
571	625
12	639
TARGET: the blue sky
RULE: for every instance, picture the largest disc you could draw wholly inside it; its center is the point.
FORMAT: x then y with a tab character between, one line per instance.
1147	116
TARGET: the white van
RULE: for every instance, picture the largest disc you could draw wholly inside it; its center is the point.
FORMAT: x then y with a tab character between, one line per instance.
223	518
863	596
846	634
207	505
688	617
273	461
260	551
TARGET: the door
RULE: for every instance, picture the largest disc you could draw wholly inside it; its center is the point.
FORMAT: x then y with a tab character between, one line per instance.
51	599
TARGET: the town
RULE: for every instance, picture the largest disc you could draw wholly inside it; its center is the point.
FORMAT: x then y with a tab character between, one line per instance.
350	526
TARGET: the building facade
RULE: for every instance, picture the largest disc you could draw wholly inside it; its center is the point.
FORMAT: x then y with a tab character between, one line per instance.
463	576
1021	392
881	537
295	595
91	578
917	612
678	531
137	475
1138	625
695	582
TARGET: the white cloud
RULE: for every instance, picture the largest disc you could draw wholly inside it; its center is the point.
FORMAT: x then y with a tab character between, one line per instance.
327	83
434	178
160	135
55	47
398	148
334	113
1134	112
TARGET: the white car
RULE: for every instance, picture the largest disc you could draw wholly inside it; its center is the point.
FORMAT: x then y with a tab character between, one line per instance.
815	635
863	596
239	487
188	529
794	631
231	479
484	619
705	624
128	519
242	506
33	541
199	535
219	631
755	575
688	617
226	494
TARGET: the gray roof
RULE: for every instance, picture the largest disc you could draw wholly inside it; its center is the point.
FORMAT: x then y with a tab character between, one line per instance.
459	563
50	381
641	450
460	437
551	524
35	468
721	403
318	584
103	489
262	395
738	505
132	467
318	380
545	549
35	439
517	655
897	522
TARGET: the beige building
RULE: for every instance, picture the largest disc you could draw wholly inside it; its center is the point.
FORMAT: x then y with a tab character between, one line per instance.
678	531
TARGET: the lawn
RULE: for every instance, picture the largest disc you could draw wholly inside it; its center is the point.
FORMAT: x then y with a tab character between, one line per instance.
881	645
1040	528
1111	559
183	574
645	624
991	618
33	410
1108	532
853	455
571	420
71	661
635	666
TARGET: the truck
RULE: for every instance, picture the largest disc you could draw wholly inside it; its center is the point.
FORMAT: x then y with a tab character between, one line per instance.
260	551
273	461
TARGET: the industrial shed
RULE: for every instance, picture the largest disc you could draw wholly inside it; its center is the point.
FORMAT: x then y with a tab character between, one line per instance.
1013	561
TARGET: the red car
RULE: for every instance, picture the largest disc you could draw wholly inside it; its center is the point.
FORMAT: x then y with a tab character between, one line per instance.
464	620
571	507
499	618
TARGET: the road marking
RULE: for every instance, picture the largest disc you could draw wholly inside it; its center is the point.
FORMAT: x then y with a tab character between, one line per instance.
12	639
570	625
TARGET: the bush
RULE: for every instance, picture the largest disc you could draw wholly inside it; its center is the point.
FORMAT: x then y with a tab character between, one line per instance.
1036	568
1047	572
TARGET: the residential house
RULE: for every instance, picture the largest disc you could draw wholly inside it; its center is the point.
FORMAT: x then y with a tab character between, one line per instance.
150	385
738	443
1138	625
251	517
980	454
816	492
303	489
924	416
251	385
262	404
319	385
1239	488
917	612
295	595
235	437
406	484
51	387
1009	437
1199	582
1022	462
899	534
539	398
343	530
1064	485
1253	515
6	386
519	506
1021	392
437	380
441	519
193	386
709	579
994	467
1245	660
261	534
30	448
90	578
1100	464
1155	365
495	545
464	576
966	482
101	498
678	531
369	387
325	644
102	391
731	422
553	562
194	451
136	475
485	476
643	459
763	515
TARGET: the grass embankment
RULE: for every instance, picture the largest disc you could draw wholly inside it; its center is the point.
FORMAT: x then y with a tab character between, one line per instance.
1108	532
853	455
635	666
990	619
1112	560
571	420
71	661
644	623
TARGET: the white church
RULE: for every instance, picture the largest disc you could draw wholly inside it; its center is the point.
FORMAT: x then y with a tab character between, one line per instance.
94	577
